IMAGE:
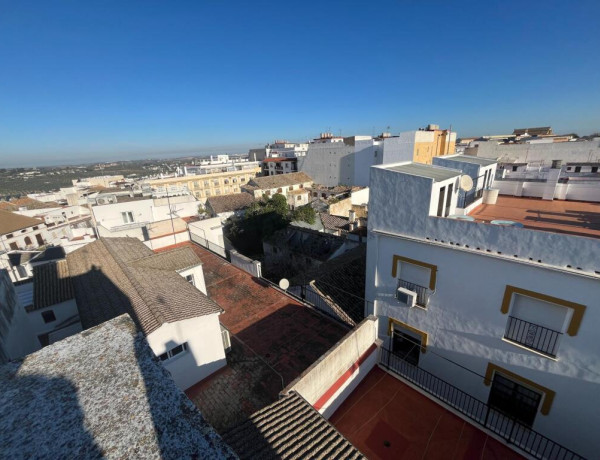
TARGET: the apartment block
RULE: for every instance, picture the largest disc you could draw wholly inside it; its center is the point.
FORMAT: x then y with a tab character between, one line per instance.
213	184
497	301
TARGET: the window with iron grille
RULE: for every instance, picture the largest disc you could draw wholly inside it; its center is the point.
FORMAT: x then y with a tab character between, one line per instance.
514	399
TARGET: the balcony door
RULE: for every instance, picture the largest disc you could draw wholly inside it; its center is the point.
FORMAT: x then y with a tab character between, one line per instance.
514	399
406	346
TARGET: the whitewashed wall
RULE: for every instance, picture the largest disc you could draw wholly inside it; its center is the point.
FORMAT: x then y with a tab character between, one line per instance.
205	353
465	324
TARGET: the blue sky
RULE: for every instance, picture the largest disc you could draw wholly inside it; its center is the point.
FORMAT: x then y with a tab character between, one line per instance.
89	80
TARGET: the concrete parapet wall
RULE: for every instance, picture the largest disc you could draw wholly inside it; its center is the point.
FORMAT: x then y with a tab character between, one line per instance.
333	376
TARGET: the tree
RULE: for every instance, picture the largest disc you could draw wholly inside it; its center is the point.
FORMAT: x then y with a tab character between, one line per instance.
305	213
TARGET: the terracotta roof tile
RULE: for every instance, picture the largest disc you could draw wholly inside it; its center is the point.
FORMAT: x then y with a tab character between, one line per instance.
230	203
289	429
10	222
51	285
280	180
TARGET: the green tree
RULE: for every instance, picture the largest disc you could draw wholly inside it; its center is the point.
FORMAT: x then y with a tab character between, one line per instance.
304	213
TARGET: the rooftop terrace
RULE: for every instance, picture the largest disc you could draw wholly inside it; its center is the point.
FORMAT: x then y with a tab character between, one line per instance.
386	419
570	217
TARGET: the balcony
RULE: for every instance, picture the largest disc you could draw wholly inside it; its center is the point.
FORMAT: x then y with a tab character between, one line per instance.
512	431
422	291
533	336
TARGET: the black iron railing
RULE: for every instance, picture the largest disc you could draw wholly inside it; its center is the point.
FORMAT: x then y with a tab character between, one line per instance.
470	197
510	429
422	291
534	336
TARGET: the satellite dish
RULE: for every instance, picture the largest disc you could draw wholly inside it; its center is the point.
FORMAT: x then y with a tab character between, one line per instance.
466	183
284	284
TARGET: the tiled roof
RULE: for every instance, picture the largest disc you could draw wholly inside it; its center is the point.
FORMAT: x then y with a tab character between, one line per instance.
274	339
333	222
230	203
97	394
10	222
51	284
280	180
176	259
289	429
110	277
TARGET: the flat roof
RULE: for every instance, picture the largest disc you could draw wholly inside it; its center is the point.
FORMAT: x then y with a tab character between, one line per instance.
560	216
471	159
437	173
380	418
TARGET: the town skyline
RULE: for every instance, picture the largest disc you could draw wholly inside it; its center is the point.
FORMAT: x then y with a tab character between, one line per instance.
119	79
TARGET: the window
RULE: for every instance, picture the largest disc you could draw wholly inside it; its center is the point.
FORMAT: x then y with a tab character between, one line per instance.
35	228
190	279
414	275
577	168
14	246
206	183
513	399
169	354
449	200
569	168
226	181
538	321
243	179
9	235
208	193
48	316
39	239
514	168
216	182
594	169
406	346
217	192
127	217
28	241
440	207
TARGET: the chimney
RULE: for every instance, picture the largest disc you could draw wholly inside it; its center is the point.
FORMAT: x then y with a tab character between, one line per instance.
352	216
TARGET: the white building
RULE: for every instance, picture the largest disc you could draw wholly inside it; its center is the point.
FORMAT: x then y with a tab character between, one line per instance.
578	181
346	161
144	218
164	293
541	154
294	186
16	337
503	312
21	232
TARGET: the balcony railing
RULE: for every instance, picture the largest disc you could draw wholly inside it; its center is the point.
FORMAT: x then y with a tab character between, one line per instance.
534	336
422	291
511	430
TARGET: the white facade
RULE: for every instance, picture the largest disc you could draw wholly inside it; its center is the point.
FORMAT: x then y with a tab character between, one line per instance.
16	337
210	230
203	354
475	283
541	154
129	217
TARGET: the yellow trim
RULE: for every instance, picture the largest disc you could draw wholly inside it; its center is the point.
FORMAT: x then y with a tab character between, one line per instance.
431	267
547	392
578	309
424	336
